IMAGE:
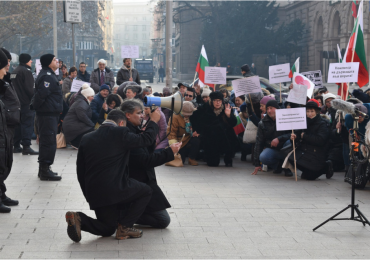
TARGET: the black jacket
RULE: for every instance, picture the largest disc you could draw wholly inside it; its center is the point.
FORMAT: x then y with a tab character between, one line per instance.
265	134
11	103
311	149
6	150
48	99
141	168
84	77
123	75
102	162
24	83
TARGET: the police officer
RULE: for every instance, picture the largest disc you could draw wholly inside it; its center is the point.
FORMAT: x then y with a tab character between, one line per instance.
23	82
48	103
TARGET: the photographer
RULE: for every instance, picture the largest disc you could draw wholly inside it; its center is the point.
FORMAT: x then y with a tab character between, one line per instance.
362	119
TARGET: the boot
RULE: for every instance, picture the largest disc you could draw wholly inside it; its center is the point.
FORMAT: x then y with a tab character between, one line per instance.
279	168
46	174
329	170
193	162
74	226
28	150
288	173
4	209
243	158
17	149
124	232
9	202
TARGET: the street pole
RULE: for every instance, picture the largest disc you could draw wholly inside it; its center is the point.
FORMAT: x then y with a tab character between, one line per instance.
73	44
20	44
169	45
55	29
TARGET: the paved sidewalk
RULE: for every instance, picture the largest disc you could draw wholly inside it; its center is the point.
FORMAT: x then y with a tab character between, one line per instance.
216	213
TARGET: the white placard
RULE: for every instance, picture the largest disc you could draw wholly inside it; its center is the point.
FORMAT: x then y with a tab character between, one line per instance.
39	67
129	51
343	72
215	75
279	73
314	76
77	84
72	11
57	70
246	86
297	94
302	80
291	119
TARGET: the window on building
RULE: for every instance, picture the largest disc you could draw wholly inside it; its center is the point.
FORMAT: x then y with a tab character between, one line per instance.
144	36
144	18
126	37
126	27
135	36
144	28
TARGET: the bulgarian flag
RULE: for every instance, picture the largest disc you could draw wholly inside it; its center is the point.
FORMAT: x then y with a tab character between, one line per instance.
201	67
295	68
239	128
354	8
356	48
341	92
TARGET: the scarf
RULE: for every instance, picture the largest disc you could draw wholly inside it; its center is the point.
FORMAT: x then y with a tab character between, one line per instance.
219	110
109	122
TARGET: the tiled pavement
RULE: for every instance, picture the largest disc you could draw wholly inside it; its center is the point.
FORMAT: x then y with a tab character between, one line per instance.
216	213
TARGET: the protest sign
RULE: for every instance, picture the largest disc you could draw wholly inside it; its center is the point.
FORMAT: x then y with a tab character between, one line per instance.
246	86
343	72
215	75
57	70
314	76
279	73
39	67
291	119
302	80
72	11
129	51
297	94
77	84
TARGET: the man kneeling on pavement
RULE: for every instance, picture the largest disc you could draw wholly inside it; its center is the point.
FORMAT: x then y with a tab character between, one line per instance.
103	173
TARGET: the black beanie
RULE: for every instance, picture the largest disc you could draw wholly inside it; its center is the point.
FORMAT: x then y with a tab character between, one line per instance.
46	59
216	95
7	53
3	60
245	68
24	58
272	103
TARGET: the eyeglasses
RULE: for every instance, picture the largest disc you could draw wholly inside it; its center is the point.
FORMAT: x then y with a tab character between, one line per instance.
186	95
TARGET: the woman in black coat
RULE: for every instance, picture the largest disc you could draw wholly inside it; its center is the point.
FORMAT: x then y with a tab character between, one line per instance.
312	145
214	123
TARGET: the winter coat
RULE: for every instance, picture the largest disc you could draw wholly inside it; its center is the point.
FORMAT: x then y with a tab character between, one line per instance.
335	144
24	84
266	132
248	74
123	75
66	87
162	132
84	77
11	103
96	105
6	150
48	99
141	168
178	130
311	149
102	162
167	113
78	119
95	79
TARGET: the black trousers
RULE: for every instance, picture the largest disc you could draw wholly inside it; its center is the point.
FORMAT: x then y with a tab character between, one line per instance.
76	142
191	149
24	131
10	135
156	219
48	128
308	174
126	213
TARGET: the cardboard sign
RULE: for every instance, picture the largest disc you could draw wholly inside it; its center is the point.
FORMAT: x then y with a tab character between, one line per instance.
39	67
246	86
129	51
279	73
297	94
302	80
314	76
72	11
215	75
343	72
291	119
77	84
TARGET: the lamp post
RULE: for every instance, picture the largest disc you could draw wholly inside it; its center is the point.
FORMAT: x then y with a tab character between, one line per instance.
169	45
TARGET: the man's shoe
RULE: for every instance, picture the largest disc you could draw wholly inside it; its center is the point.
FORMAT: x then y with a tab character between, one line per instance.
193	162
45	174
127	232
17	149
74	226
279	168
9	202
288	173
28	150
229	164
329	171
243	158
4	209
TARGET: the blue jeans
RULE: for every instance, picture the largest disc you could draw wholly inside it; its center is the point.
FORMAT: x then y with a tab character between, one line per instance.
160	78
346	159
157	219
271	157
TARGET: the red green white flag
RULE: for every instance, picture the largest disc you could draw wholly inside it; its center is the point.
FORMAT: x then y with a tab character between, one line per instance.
202	64
239	128
295	68
354	8
341	92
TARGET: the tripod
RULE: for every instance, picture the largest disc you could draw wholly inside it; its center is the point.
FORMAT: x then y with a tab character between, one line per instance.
355	154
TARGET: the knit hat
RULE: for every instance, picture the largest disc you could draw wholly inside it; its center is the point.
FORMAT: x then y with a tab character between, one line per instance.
312	103
357	93
265	99
104	86
166	90
87	91
322	89
206	91
245	68
7	53
216	95
272	103
361	108
329	95
46	59
3	60
24	58
314	100
187	108
243	107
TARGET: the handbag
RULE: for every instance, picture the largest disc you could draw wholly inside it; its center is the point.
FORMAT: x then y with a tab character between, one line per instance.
177	162
61	141
361	175
250	133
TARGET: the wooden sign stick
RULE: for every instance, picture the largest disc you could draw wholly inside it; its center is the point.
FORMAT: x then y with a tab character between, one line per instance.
295	164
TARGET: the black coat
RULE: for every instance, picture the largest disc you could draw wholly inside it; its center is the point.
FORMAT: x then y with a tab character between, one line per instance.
6	158
24	83
11	103
123	75
311	149
141	168
84	77
102	162
266	132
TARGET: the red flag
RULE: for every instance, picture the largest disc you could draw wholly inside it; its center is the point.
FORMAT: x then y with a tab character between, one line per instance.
343	93
354	8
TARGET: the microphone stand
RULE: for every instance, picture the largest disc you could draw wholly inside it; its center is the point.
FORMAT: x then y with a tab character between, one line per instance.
354	207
